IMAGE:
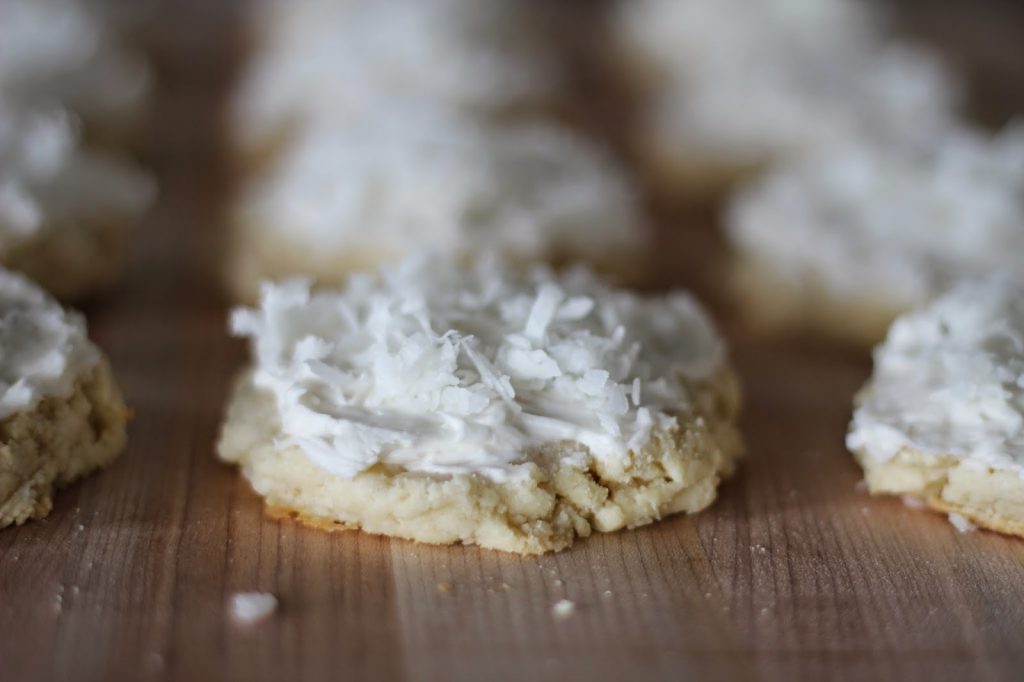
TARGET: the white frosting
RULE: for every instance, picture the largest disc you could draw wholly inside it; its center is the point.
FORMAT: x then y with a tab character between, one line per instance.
894	224
43	348
436	369
746	81
949	380
49	182
320	59
58	52
411	178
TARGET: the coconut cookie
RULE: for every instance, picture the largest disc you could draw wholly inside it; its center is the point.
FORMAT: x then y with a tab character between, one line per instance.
61	413
65	209
346	198
508	409
844	240
318	60
942	418
65	53
729	86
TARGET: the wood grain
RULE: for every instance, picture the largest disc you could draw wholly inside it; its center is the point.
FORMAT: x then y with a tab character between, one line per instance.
793	574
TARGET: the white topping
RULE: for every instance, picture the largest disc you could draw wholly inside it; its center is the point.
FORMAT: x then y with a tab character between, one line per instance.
321	59
436	369
890	224
48	181
414	177
949	381
961	523
744	81
43	349
249	608
57	52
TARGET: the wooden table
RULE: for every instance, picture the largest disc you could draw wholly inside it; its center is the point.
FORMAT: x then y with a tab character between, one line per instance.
792	574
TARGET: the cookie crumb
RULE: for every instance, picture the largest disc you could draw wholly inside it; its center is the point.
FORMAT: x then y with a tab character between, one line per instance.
444	587
911	502
961	523
249	608
563	609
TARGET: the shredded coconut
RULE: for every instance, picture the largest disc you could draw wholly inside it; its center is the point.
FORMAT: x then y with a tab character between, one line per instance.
43	349
961	523
406	180
745	80
896	224
249	608
439	369
949	381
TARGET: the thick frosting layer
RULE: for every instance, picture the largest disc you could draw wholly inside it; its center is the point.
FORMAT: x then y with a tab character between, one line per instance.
893	224
949	380
747	81
43	348
59	52
412	178
441	370
49	182
320	59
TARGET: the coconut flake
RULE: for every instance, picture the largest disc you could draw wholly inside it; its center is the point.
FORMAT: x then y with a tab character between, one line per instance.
249	608
961	523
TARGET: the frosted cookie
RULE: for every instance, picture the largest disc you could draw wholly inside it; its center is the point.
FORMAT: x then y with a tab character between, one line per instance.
61	414
942	418
64	208
63	53
844	240
318	60
485	406
345	198
733	85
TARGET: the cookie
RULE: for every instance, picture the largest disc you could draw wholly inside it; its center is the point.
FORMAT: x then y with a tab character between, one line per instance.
65	208
320	60
66	54
727	88
515	410
942	418
61	413
845	239
347	197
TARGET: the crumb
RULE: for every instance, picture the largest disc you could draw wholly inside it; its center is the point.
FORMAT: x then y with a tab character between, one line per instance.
249	608
911	502
608	594
961	523
444	587
563	609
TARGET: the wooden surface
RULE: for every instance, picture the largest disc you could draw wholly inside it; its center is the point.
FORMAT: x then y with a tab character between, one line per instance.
793	574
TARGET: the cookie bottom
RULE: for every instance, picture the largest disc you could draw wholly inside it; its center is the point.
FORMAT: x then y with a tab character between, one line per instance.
73	264
256	255
543	509
58	442
989	498
772	304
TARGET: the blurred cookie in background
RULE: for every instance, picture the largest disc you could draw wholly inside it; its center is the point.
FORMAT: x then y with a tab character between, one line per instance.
66	209
365	190
843	240
728	87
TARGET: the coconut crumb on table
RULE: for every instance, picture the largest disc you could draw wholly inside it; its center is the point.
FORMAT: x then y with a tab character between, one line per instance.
249	608
563	609
961	523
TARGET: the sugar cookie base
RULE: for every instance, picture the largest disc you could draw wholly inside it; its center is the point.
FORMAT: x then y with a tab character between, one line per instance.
58	442
679	471
771	304
989	498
